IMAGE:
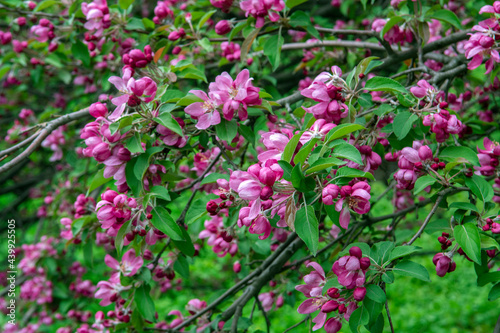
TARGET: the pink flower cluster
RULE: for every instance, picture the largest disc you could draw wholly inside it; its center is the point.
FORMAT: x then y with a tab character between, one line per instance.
355	197
395	35
134	92
232	95
162	11
326	89
219	237
483	41
350	271
443	124
411	163
260	9
488	157
113	210
54	141
105	147
231	51
97	15
37	289
43	31
138	59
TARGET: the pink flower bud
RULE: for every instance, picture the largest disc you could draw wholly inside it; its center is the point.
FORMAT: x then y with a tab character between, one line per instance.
330	192
98	109
356	252
359	293
333	293
237	267
364	263
333	325
330	306
101	152
21	21
222	27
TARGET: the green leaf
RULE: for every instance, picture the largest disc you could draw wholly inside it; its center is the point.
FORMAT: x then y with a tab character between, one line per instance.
301	19
81	52
287	170
463	206
290	148
494	292
148	24
160	192
188	100
192	73
391	23
166	119
134	143
124	4
247	133
480	187
88	257
144	303
293	3
300	182
342	130
403	251
120	236
142	163
226	130
487	242
375	293
467	236
448	17
306	149
205	18
324	163
97	181
422	183
460	154
237	28
353	173
358	318
272	49
379	83
410	268
307	228
45	4
403	123
213	177
4	70
196	211
165	223
486	278
181	266
346	150
186	245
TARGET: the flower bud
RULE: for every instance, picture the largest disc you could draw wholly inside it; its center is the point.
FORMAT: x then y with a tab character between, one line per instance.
237	267
330	306
356	252
222	27
359	293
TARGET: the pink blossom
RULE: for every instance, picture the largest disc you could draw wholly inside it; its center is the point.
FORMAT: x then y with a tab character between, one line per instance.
130	263
205	112
350	270
357	198
260	9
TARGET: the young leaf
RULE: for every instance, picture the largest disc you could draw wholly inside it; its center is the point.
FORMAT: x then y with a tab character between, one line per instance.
403	123
166	119
226	130
375	293
460	154
165	223
467	237
447	16
410	268
160	192
97	181
422	183
349	152
324	163
144	303
480	187
379	83
306	227
290	148
342	130
272	49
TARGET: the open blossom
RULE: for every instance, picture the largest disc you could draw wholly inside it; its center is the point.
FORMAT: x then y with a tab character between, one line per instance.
327	90
357	198
109	291
129	265
275	144
134	91
318	130
351	269
482	43
205	112
314	281
424	89
260	9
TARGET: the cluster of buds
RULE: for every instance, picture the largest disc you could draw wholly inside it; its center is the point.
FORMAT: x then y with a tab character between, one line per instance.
260	9
138	59
83	205
43	31
444	240
444	264
395	35
231	51
326	89
5	37
97	15
412	162
221	239
492	226
226	198
162	11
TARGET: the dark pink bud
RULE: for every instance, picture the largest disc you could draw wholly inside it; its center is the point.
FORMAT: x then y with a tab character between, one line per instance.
359	293
330	306
267	176
21	21
356	252
176	50
266	193
345	191
101	152
364	263
237	267
174	35
333	293
425	153
365	150
333	325
222	27
148	255
124	154
98	109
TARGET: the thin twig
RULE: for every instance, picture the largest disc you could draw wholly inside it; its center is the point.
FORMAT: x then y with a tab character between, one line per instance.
427	219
